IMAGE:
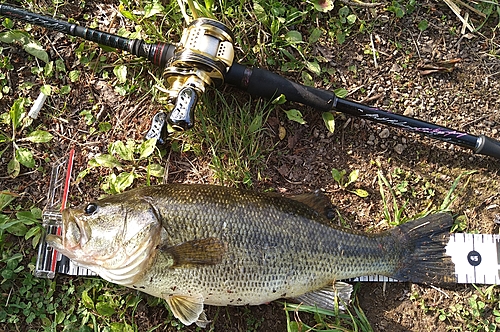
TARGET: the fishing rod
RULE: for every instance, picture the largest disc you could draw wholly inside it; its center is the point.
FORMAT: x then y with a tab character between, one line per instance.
205	57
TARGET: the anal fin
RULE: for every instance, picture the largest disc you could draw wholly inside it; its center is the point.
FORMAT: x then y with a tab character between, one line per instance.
188	309
339	292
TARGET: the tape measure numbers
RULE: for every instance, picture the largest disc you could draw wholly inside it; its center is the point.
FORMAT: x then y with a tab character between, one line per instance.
476	258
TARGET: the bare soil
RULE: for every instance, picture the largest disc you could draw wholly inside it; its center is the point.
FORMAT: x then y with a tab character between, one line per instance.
465	98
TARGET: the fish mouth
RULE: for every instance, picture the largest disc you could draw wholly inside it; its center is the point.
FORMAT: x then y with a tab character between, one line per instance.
72	234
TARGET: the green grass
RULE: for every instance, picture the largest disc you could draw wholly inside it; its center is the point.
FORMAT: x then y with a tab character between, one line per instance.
351	319
234	138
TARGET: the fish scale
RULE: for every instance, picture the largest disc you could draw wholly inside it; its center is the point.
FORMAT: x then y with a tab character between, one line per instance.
227	246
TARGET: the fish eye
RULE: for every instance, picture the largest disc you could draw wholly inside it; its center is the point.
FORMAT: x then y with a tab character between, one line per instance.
91	208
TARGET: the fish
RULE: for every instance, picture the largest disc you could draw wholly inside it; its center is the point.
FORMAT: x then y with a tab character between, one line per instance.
196	245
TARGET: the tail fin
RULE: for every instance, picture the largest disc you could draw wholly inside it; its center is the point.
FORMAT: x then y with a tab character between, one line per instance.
424	254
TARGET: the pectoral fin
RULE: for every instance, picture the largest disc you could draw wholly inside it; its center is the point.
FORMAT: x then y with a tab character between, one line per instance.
197	252
188	309
327	297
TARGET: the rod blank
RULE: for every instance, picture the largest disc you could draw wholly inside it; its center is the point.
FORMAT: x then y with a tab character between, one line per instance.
158	53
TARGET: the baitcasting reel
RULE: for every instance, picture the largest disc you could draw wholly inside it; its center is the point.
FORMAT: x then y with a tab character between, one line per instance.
202	58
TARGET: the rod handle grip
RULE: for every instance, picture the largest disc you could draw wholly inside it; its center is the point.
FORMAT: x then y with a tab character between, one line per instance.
488	147
263	83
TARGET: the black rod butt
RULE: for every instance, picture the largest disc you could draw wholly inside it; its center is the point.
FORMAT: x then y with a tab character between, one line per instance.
488	147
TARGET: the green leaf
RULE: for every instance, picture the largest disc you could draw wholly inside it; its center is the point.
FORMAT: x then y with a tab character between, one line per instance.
329	121
48	70
120	327
60	65
340	37
122	181
82	174
14	36
74	75
39	136
125	152
353	176
152	9
256	124
32	232
8	23
17	112
422	25
351	19
25	157
65	89
295	115
36	239
89	117
315	35
313	67
5	223
3	139
26	217
36	212
18	229
126	13
59	317
104	309
259	11
46	90
293	37
293	326
147	148
307	78
106	160
275	26
323	5
360	192
156	170
281	99
338	175
87	301
5	200
13	167
341	92
104	127
121	73
36	50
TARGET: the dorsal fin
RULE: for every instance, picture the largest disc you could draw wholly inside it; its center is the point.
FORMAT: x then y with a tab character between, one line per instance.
317	201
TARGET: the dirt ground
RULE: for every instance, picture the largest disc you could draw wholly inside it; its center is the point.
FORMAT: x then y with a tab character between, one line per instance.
465	98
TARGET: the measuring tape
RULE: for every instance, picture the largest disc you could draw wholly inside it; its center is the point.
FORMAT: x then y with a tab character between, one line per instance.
476	256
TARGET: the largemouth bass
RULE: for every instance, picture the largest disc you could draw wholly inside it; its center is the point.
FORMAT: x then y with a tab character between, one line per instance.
202	244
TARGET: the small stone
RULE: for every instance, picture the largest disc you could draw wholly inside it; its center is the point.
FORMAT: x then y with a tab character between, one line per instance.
384	133
396	67
399	148
409	111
